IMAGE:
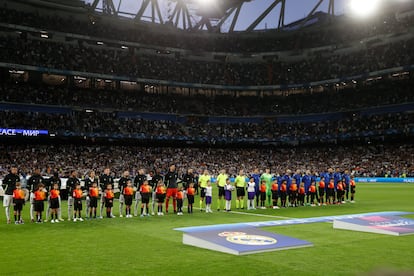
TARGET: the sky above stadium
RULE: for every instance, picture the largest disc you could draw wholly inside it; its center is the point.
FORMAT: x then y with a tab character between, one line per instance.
295	10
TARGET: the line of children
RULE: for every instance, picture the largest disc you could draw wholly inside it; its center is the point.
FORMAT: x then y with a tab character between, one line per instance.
93	200
313	194
209	196
283	193
321	190
352	183
340	192
251	192
301	194
180	199
160	195
293	197
263	190
128	193
330	192
39	198
54	203
228	188
190	197
109	200
145	191
77	203
275	194
18	202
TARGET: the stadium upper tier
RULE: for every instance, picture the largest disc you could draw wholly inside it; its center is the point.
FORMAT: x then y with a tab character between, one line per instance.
71	113
386	91
116	126
81	56
56	43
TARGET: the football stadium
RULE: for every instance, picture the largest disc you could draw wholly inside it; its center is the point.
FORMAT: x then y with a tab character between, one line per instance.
189	137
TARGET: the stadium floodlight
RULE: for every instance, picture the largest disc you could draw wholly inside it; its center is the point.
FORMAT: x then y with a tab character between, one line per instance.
205	3
364	8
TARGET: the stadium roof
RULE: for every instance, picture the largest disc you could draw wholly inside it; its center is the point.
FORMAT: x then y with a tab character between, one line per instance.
218	15
226	16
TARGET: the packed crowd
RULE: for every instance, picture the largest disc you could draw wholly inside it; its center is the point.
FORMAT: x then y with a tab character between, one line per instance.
372	160
331	100
81	57
110	125
329	31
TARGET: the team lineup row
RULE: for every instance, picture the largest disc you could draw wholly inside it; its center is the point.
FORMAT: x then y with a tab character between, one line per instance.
157	189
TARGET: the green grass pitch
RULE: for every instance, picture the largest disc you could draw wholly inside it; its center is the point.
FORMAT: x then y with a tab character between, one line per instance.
150	246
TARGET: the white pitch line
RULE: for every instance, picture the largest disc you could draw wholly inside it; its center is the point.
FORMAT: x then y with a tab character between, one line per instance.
260	215
251	214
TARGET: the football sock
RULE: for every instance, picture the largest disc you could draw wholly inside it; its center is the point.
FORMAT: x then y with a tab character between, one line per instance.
166	204
237	204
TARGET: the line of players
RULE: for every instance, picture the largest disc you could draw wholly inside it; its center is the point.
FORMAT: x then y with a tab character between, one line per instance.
332	188
291	190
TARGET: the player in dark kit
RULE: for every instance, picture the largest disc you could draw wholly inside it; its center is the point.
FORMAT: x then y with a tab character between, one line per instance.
171	183
104	180
71	184
138	181
307	179
32	184
188	178
92	178
9	185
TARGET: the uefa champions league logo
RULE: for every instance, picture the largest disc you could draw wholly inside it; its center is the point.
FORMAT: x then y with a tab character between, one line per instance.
251	240
246	239
228	234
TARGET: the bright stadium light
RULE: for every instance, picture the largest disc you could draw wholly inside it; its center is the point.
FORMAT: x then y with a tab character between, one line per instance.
364	8
205	3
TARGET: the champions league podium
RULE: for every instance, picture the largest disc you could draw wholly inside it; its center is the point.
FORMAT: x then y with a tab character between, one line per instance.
242	241
246	237
387	225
